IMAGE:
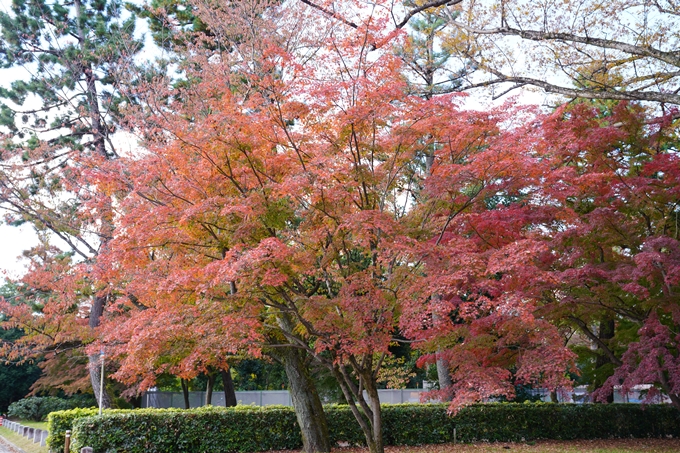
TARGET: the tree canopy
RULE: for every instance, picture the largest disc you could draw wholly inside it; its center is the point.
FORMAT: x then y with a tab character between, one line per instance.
308	189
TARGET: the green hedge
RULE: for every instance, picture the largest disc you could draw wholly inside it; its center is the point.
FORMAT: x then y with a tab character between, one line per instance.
250	428
61	421
209	429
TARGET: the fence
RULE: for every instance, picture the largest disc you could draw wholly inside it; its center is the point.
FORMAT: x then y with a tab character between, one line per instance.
160	399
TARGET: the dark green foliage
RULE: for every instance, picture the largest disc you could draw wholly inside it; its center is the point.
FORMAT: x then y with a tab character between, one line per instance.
38	407
515	422
207	429
65	46
60	422
15	380
249	428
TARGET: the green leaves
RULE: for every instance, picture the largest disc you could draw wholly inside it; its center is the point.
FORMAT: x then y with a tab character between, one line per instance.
249	429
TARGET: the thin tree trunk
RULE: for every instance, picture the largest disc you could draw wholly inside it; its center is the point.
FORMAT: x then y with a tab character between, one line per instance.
209	389
606	333
376	421
443	368
185	392
96	311
368	412
229	391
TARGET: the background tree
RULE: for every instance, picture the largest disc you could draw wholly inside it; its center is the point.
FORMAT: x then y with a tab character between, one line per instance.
16	378
580	49
481	246
616	261
61	116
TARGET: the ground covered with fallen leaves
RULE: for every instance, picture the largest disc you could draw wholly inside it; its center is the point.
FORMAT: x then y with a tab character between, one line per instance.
548	446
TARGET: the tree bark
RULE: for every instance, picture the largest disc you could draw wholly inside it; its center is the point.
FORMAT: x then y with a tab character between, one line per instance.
209	389
308	408
606	333
443	369
229	392
368	412
305	398
185	392
444	377
95	380
95	366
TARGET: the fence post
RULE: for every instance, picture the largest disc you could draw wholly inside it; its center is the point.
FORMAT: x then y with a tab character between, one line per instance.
67	442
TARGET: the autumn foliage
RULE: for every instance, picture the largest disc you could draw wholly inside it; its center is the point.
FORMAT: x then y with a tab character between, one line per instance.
292	191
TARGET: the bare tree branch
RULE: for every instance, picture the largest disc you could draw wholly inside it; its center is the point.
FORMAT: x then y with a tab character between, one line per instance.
426	6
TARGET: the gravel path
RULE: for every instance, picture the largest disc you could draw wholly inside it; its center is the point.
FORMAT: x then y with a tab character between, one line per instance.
6	447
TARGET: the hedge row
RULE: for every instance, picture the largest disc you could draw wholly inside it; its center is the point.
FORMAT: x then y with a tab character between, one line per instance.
249	428
61	421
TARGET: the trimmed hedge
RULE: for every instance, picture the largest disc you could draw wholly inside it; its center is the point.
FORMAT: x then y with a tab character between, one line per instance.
208	429
251	428
61	421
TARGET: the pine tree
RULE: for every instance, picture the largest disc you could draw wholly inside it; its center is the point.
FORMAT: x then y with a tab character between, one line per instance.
61	113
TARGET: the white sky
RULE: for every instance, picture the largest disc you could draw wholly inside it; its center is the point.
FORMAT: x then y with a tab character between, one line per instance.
13	241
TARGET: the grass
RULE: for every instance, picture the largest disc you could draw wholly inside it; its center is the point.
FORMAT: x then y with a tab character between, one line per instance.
32	424
21	442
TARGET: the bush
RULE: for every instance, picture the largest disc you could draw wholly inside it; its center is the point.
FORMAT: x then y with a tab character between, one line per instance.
60	422
207	429
36	408
251	428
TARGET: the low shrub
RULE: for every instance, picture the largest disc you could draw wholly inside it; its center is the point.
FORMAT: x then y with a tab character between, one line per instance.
251	428
61	421
208	429
37	408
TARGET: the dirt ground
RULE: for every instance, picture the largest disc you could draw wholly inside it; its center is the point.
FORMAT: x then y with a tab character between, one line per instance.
571	446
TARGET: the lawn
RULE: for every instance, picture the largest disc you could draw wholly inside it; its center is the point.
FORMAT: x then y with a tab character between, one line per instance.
39	425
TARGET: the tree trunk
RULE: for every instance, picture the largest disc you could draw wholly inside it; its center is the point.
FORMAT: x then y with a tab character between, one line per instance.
185	392
209	389
376	421
553	397
606	333
444	377
369	413
95	380
95	366
229	392
443	369
308	408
